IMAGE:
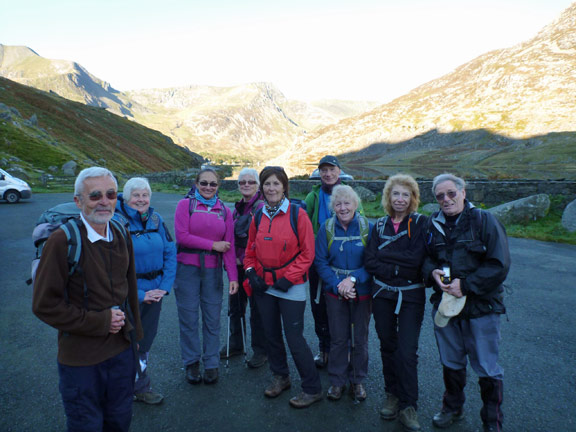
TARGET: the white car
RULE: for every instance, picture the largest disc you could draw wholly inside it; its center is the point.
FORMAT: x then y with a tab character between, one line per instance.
12	189
343	176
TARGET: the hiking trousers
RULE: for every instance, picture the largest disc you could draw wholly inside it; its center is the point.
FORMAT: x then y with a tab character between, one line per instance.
319	311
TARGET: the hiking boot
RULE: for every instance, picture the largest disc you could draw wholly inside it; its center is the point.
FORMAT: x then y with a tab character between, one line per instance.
390	409
408	417
444	419
321	360
486	427
304	400
257	360
277	386
335	392
358	392
211	376
231	353
149	398
193	373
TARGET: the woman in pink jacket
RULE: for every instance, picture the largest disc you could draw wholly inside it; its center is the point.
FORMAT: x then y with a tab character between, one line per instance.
205	236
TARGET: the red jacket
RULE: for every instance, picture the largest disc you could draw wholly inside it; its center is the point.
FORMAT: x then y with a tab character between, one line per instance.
275	244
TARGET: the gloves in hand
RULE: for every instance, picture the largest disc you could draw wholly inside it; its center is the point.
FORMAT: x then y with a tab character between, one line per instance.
282	284
256	282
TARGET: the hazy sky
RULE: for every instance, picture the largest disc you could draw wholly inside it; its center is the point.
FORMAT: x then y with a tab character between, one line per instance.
310	49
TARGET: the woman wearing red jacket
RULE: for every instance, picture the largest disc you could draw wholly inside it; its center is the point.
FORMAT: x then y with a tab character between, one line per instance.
279	253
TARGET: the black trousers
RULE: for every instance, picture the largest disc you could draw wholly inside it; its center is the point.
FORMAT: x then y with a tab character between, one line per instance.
238	304
277	313
399	335
319	312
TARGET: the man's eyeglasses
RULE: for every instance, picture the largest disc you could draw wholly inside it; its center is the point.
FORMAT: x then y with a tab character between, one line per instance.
244	182
97	195
450	194
205	183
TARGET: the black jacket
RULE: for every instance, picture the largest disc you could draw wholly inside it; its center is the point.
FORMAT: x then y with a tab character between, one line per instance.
477	252
399	263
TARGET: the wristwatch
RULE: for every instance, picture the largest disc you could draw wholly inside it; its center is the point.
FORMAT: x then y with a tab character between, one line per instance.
353	280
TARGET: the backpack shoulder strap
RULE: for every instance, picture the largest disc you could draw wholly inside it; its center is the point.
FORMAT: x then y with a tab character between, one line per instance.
364	228
120	227
258	217
381	225
72	230
155	218
192	205
479	221
294	211
223	211
330	222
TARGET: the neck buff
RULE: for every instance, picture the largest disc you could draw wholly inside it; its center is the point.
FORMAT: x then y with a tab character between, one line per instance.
328	188
206	202
272	210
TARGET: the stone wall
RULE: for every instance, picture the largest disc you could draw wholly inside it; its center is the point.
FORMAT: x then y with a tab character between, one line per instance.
488	192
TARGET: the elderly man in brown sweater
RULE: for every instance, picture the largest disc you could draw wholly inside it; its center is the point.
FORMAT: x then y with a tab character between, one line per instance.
94	309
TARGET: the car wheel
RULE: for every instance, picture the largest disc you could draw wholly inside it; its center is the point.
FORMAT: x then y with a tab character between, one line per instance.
12	196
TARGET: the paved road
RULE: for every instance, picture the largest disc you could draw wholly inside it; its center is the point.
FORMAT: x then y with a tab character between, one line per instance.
538	354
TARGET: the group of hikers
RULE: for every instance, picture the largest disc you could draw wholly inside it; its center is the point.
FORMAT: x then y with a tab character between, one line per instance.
276	253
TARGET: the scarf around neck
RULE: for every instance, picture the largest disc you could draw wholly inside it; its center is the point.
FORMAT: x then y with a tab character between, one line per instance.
207	202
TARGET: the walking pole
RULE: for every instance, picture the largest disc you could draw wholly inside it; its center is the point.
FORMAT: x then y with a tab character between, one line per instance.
228	336
243	325
352	308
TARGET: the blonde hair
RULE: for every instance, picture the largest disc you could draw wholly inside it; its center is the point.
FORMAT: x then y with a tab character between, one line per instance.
343	191
401	180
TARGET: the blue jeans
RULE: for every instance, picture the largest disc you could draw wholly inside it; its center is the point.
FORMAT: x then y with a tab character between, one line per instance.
99	398
195	291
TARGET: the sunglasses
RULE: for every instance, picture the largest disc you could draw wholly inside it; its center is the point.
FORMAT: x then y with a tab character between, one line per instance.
204	183
97	195
450	194
244	182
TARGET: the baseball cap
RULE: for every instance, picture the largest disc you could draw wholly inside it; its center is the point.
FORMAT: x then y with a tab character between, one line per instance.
330	160
449	307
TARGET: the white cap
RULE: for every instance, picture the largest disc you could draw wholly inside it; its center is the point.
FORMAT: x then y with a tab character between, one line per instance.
449	307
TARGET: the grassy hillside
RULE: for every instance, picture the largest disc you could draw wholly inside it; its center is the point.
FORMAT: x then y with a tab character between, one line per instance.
39	130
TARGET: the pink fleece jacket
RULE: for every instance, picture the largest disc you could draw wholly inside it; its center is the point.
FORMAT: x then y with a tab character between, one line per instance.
200	231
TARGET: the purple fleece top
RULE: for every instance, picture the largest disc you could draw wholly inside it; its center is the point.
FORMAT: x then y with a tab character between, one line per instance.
200	231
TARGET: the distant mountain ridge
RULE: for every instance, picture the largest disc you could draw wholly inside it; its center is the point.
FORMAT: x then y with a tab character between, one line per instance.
523	97
245	123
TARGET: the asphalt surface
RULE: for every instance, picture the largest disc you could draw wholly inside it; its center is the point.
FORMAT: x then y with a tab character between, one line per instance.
538	353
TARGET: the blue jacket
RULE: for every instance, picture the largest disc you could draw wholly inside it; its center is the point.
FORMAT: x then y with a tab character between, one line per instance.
153	250
351	258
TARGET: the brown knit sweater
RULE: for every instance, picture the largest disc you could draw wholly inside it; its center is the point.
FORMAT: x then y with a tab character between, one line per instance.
109	272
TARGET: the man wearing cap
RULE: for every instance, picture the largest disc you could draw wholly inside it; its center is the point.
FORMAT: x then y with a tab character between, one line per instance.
467	263
318	208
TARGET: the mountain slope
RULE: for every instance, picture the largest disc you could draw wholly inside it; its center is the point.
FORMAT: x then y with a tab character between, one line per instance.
520	95
66	78
42	131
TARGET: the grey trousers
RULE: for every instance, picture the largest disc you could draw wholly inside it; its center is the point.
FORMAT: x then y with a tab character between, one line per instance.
195	292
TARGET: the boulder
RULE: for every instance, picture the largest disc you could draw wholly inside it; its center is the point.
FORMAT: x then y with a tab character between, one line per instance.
523	210
430	208
569	217
69	168
365	194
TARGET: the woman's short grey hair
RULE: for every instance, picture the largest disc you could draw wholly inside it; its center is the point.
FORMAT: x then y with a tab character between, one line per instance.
136	183
91	172
249	172
342	192
459	182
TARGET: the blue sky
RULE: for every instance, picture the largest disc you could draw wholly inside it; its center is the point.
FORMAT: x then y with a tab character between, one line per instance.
309	49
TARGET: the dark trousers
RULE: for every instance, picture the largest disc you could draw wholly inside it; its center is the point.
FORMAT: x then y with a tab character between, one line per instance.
319	312
399	336
342	314
99	398
150	316
238	304
277	313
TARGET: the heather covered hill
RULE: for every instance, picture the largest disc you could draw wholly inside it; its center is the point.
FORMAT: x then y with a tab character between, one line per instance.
514	106
40	130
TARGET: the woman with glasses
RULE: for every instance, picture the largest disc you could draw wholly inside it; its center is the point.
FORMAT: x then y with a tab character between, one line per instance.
205	235
244	210
394	256
279	253
155	259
